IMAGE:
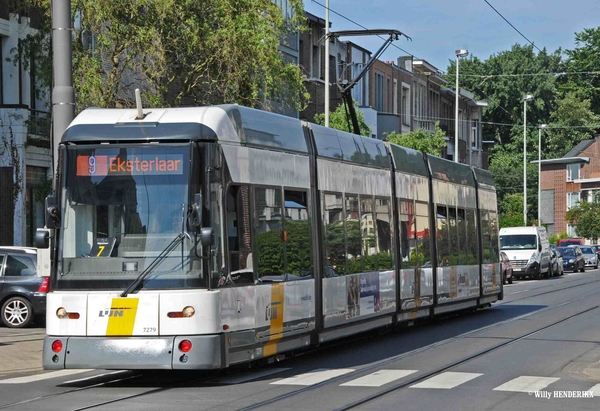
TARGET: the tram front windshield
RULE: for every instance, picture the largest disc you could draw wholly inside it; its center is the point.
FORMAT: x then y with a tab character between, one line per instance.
122	207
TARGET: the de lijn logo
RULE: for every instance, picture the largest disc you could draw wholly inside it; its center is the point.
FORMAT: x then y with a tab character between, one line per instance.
113	312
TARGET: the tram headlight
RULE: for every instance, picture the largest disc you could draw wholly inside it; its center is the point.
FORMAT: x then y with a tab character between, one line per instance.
62	313
188	311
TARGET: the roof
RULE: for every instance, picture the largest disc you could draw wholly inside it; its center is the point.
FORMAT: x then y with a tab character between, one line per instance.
579	148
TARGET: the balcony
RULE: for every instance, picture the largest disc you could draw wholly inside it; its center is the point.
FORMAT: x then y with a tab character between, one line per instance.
38	128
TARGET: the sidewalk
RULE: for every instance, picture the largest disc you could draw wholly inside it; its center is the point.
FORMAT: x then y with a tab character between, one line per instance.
20	350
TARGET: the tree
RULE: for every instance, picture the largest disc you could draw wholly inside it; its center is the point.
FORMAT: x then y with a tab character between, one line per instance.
183	52
502	81
422	140
584	60
586	215
339	120
572	122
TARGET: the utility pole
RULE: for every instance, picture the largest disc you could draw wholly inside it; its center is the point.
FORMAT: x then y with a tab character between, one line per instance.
63	94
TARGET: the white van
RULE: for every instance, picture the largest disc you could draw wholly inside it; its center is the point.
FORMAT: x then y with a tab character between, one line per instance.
528	250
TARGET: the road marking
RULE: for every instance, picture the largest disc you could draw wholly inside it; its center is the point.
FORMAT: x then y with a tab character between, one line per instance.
447	380
40	377
248	376
526	384
378	378
313	377
518	292
595	390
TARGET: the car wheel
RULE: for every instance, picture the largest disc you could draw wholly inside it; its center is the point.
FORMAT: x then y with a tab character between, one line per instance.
17	312
510	280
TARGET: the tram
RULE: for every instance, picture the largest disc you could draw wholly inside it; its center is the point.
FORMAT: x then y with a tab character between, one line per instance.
201	238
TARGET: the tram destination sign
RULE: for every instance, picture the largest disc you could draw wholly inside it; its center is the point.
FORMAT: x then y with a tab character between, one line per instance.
155	164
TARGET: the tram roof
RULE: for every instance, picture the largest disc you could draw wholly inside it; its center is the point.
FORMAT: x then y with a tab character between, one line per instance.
446	170
228	123
408	160
340	145
485	179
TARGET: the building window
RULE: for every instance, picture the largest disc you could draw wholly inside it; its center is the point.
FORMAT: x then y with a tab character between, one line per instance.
475	134
573	171
395	102
405	106
379	92
572	200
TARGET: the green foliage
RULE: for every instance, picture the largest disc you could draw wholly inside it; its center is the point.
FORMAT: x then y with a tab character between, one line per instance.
586	215
183	52
584	58
572	122
554	238
339	120
422	140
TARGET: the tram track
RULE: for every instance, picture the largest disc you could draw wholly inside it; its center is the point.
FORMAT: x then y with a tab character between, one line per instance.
421	350
207	378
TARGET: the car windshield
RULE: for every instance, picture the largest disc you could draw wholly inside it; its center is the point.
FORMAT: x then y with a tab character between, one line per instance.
567	251
518	241
122	207
587	250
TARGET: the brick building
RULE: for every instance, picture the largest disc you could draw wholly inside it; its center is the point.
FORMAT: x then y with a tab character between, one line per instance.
567	180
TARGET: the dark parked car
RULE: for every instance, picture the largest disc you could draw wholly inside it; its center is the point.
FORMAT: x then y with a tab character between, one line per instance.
573	258
22	292
507	269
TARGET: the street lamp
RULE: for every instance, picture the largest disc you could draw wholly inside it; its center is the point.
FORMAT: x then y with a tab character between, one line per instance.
459	53
540	171
526	98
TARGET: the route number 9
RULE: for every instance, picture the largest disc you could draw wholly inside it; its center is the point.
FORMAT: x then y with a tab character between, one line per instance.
92	165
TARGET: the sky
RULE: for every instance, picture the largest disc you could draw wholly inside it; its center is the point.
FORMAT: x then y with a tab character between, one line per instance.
439	27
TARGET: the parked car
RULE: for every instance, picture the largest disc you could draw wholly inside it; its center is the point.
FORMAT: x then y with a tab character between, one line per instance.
565	242
591	258
22	292
557	263
573	258
507	269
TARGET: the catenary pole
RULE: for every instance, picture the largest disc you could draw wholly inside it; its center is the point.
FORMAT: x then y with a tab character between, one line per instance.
63	95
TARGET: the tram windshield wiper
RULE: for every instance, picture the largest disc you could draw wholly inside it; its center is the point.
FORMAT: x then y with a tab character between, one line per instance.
159	258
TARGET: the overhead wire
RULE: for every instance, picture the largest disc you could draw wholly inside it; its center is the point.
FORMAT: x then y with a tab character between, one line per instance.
363	27
511	25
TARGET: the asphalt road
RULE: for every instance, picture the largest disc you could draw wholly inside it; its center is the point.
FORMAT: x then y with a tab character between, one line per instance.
535	350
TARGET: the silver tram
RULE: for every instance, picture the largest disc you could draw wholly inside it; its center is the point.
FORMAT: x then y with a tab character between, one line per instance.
199	238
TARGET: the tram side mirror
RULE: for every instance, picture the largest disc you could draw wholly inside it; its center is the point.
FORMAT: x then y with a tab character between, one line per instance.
195	217
42	238
207	236
52	216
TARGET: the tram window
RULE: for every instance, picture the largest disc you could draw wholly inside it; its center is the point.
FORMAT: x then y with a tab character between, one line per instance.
485	229
333	232
407	232
354	252
422	234
471	236
298	248
239	234
368	231
494	252
454	248
269	235
442	236
384	233
463	253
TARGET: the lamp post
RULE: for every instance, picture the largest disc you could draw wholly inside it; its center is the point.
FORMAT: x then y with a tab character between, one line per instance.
540	172
459	53
327	64
526	98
